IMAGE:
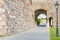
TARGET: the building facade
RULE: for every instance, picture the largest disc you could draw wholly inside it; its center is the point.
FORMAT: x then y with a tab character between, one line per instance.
20	15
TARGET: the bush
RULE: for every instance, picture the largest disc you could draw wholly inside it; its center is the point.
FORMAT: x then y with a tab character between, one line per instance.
38	21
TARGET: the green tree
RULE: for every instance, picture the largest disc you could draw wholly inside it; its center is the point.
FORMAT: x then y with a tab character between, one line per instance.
39	21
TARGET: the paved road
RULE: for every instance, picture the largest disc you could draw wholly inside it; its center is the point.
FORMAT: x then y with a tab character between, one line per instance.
42	24
41	33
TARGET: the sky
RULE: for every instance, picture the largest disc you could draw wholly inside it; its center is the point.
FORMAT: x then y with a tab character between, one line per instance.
42	16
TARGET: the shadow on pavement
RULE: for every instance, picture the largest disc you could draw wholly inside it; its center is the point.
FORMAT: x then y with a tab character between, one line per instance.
41	25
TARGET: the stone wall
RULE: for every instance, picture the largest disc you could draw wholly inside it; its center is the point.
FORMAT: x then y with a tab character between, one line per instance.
19	16
49	6
3	19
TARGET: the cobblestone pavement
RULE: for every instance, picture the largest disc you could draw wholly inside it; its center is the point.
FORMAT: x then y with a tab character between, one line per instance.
40	33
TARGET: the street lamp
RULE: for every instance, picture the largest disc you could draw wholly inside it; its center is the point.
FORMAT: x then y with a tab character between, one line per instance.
57	6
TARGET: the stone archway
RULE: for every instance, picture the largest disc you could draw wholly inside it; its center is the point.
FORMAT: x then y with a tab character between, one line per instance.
38	12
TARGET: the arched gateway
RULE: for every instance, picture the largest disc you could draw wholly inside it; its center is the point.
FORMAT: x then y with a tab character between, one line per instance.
43	11
39	12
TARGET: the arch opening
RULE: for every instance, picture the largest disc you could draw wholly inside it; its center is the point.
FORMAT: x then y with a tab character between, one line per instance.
40	17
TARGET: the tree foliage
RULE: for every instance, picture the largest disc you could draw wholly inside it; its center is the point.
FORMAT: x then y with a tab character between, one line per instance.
39	21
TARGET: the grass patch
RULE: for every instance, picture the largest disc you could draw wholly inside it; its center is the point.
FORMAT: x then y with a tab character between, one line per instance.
53	34
2	35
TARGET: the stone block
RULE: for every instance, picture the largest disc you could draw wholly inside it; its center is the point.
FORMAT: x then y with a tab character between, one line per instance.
3	32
